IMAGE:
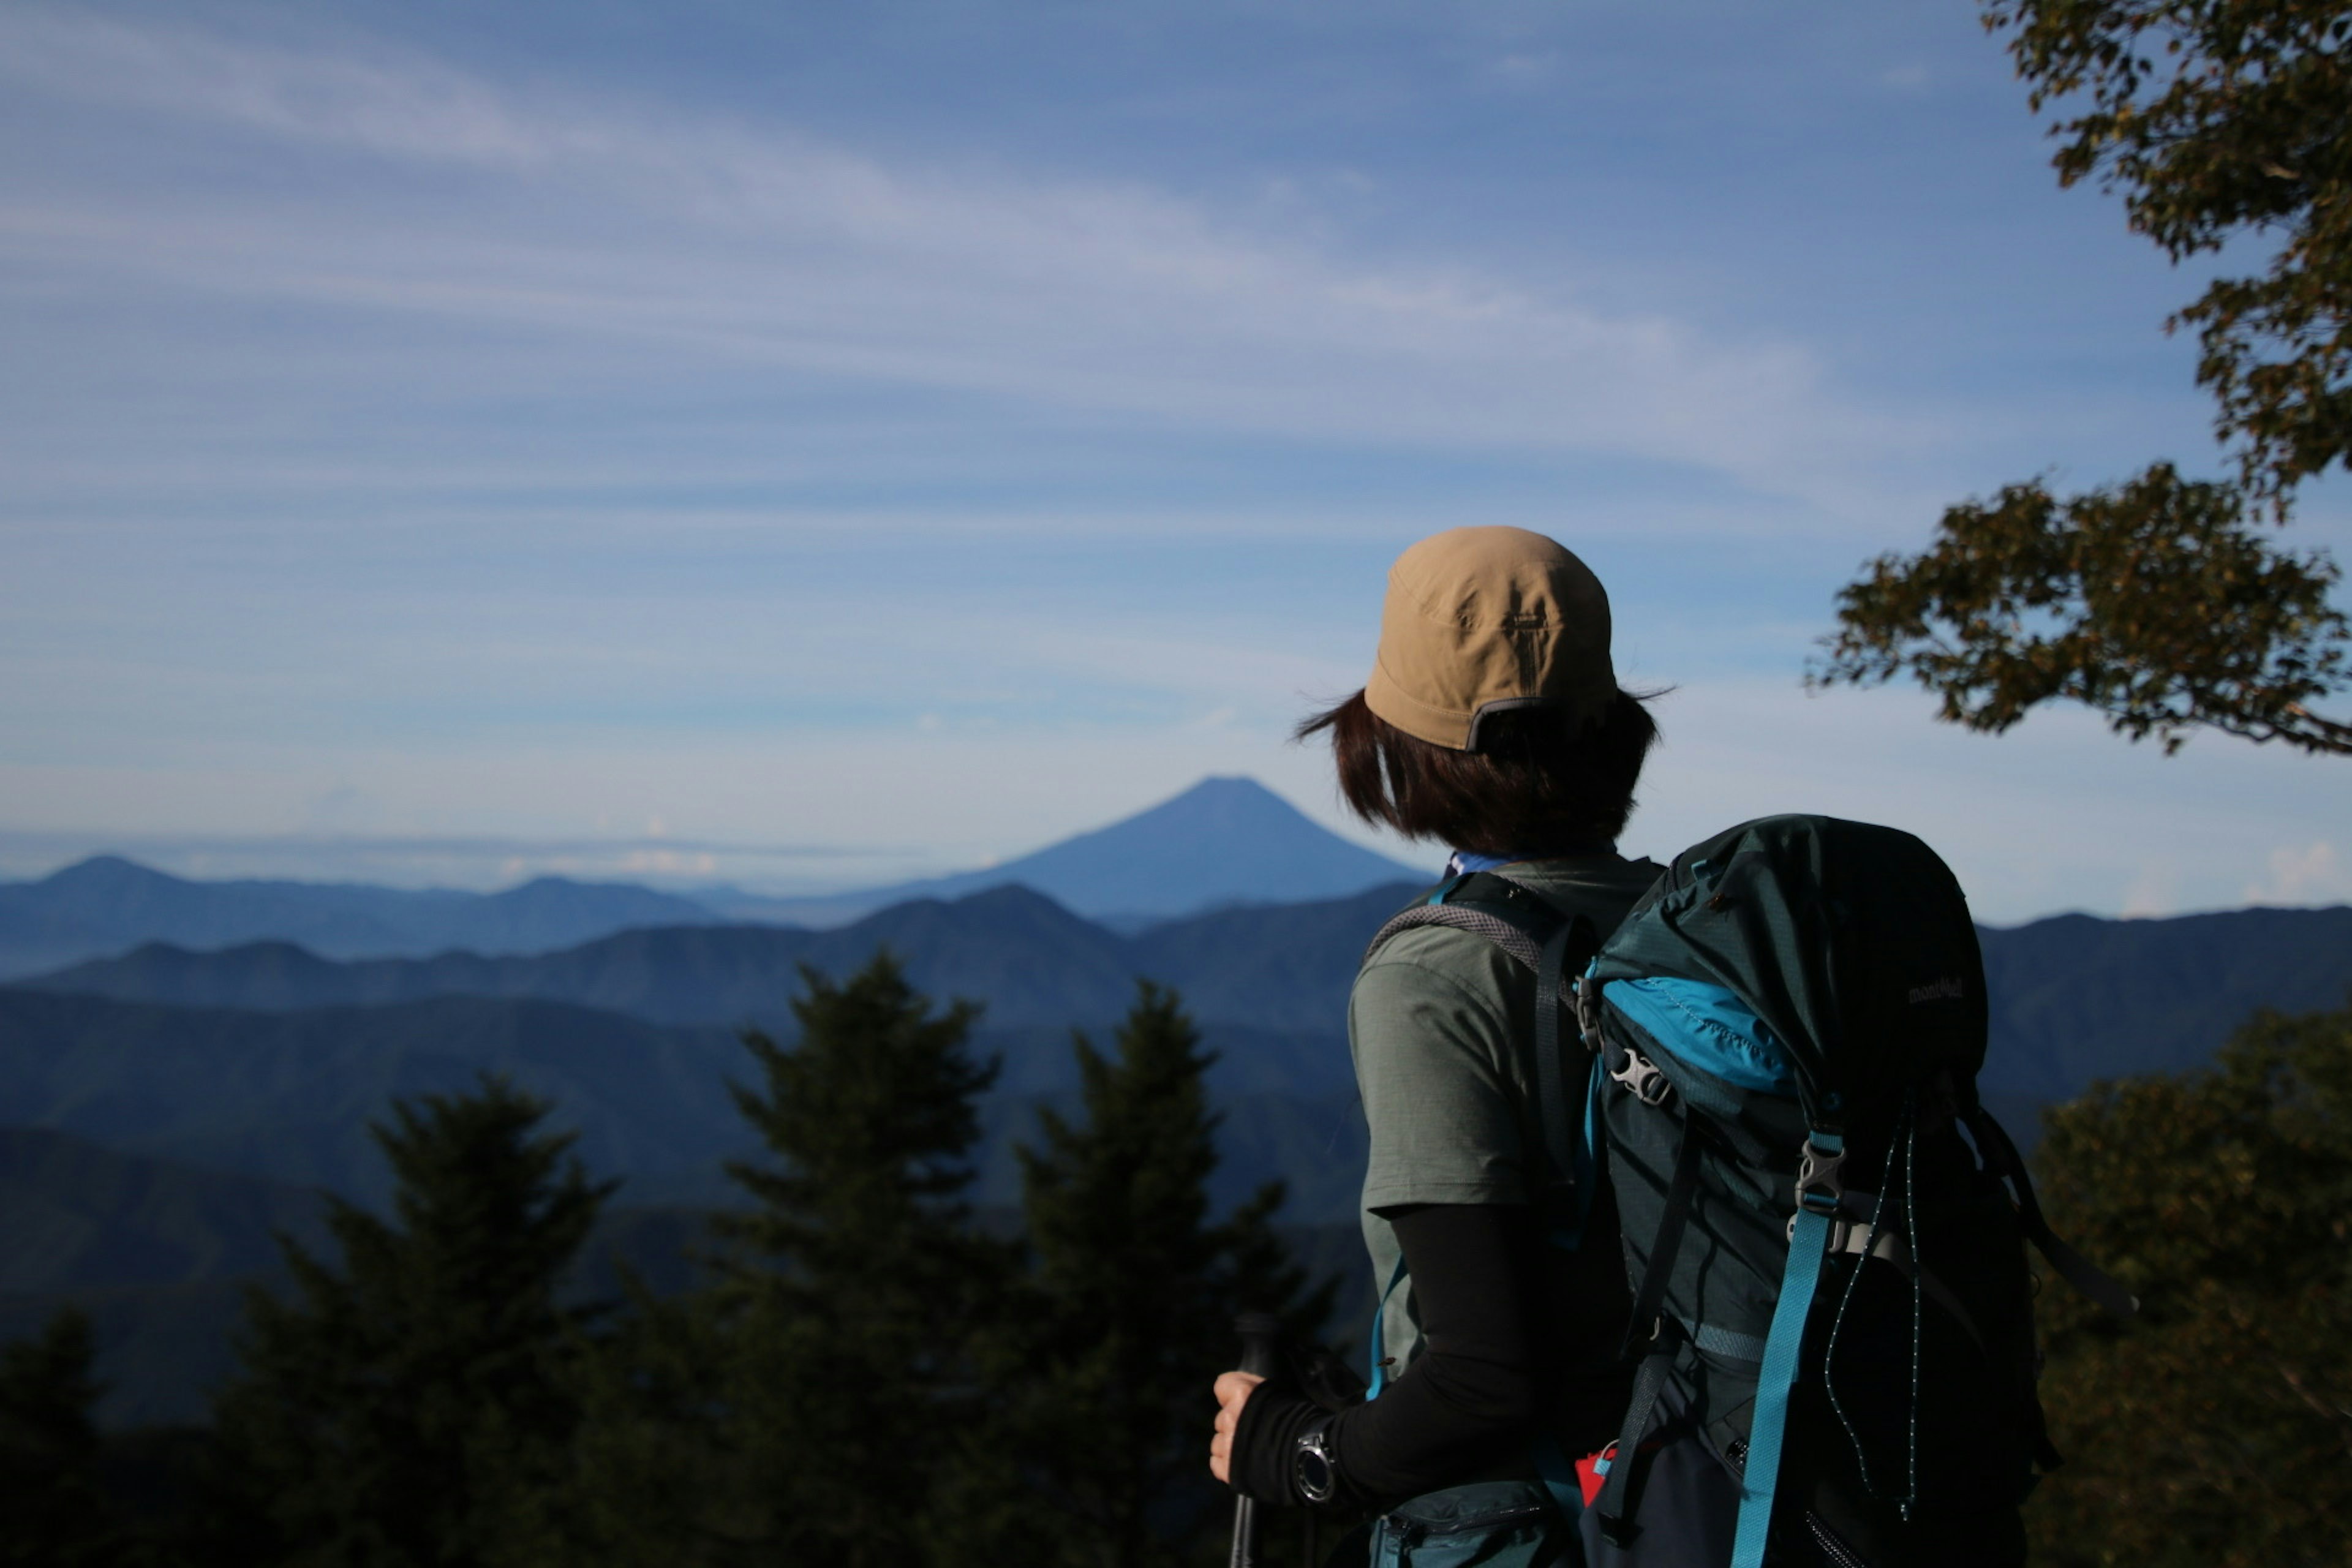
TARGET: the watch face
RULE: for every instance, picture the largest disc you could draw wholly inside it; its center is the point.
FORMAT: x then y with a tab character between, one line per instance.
1314	1469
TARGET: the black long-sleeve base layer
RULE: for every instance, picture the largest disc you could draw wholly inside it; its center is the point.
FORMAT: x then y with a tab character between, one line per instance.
1513	1329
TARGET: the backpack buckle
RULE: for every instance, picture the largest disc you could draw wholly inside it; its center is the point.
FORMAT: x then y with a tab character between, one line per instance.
1642	1079
1586	992
1821	1185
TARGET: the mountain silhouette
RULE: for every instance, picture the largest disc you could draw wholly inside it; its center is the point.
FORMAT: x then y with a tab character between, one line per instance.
107	904
2074	998
1224	841
1031	962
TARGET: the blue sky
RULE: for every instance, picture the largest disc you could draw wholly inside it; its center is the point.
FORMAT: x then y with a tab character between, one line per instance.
812	444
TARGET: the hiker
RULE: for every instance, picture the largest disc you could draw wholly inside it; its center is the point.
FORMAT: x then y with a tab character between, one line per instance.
1493	723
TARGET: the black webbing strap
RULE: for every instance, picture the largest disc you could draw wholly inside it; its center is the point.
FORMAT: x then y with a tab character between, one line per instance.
1650	1294
1650	1381
1571	946
1615	1497
2079	1271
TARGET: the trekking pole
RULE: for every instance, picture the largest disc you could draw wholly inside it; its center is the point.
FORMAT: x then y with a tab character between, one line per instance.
1259	1333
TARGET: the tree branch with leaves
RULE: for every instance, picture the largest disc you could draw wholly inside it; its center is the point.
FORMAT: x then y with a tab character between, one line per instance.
2157	601
2152	602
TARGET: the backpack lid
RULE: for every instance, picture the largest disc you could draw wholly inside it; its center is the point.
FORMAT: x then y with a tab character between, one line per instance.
1851	942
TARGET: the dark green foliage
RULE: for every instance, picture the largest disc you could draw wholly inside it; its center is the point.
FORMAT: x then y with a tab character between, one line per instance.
2216	1429
53	1513
661	1472
411	1406
1136	1296
2153	603
852	1428
2217	118
2219	122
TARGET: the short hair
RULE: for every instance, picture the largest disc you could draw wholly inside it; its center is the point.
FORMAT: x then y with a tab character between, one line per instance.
1533	786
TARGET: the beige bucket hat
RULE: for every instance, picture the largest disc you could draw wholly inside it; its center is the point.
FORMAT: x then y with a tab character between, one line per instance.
1488	620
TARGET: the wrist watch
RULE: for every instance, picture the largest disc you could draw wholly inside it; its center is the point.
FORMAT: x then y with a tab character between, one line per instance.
1314	1469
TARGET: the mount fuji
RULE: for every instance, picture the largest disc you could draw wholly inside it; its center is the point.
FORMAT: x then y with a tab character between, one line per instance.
1224	841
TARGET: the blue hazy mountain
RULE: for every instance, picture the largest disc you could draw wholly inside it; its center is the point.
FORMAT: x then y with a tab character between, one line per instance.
1224	841
107	904
1031	962
2073	997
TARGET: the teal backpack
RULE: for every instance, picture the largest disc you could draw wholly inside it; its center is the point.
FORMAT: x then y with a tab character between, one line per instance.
1824	1228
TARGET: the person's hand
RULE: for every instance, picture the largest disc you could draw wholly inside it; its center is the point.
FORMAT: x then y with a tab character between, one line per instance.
1232	1392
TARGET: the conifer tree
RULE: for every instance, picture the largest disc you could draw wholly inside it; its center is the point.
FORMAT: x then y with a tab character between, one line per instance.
411	1405
659	1474
858	1291
52	1511
1137	1294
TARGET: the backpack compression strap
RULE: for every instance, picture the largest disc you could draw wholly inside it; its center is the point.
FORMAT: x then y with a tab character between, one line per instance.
1623	1456
2078	1270
1819	1195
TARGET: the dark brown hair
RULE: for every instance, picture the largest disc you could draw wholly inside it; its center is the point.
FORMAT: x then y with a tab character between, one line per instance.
1531	787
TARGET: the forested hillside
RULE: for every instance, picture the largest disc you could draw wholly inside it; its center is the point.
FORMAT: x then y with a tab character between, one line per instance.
2073	997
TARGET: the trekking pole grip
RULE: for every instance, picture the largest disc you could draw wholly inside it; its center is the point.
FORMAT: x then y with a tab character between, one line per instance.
1261	1335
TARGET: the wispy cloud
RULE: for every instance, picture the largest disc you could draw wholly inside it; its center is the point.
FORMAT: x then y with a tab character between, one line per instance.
476	862
469	454
2311	873
683	243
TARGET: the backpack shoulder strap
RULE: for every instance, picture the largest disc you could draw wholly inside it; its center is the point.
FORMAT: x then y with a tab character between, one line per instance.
1552	946
1485	905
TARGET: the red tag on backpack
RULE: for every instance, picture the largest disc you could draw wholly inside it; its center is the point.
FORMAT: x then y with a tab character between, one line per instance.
1592	1470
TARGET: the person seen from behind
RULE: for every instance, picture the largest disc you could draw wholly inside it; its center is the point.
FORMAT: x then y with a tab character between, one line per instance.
1492	722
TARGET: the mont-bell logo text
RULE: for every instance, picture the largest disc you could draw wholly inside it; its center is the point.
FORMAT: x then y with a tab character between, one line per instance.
1948	989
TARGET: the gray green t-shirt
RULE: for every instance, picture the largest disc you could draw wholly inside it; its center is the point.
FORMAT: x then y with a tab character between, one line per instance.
1436	1024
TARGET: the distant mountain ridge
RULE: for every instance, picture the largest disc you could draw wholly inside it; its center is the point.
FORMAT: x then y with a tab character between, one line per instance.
2072	998
1031	962
2075	997
107	904
1224	841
